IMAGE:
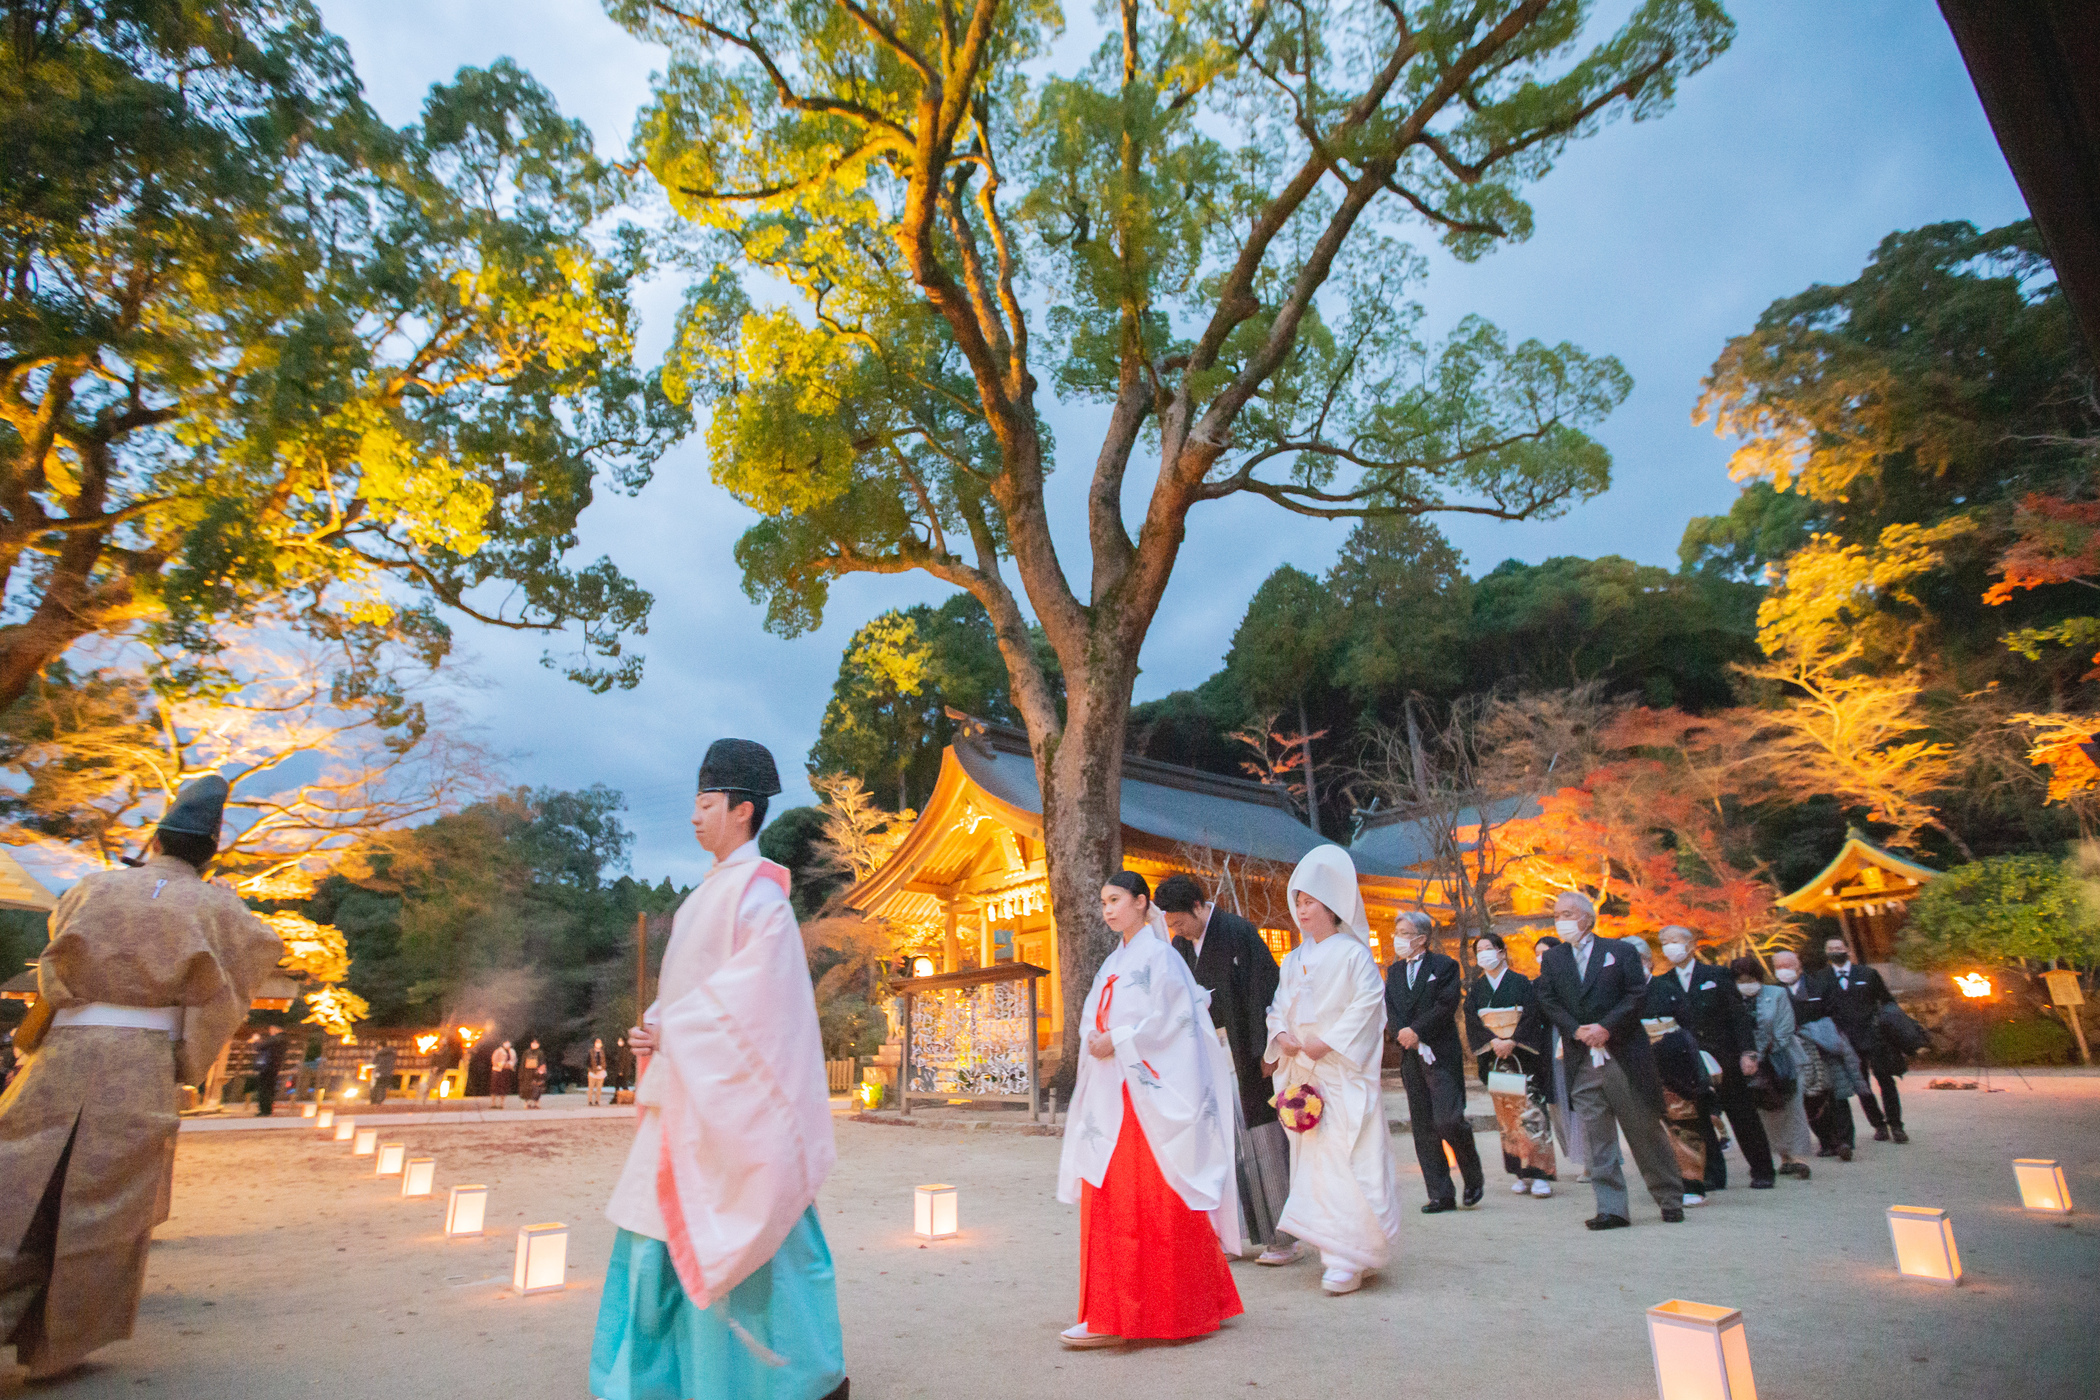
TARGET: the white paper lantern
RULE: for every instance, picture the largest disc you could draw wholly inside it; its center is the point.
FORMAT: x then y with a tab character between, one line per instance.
2042	1185
1701	1352
465	1210
345	1129
366	1144
934	1212
417	1175
324	1119
391	1155
1924	1239
543	1259
308	1110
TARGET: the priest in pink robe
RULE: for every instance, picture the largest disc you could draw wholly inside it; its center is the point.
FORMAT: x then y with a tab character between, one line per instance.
721	1284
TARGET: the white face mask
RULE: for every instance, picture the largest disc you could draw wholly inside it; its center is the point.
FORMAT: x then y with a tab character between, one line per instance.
1677	952
1788	975
1567	928
1749	989
1490	959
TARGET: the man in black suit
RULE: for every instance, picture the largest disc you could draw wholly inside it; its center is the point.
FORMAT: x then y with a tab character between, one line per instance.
1231	961
1592	989
1853	996
269	1064
1422	991
1702	998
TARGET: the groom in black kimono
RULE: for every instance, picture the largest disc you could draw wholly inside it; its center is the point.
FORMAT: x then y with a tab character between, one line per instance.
1235	966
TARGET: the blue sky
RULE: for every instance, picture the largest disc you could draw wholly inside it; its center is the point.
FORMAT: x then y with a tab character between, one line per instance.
1826	127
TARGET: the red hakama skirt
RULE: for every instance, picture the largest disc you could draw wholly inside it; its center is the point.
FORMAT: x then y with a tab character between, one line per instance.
1148	1265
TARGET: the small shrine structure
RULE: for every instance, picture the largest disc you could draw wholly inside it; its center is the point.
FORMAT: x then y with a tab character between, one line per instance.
1867	890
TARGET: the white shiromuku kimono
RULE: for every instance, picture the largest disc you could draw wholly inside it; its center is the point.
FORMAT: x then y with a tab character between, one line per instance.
1180	1078
1342	1201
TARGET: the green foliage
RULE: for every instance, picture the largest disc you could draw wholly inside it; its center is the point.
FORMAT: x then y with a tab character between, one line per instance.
887	721
256	346
794	839
1406	609
2029	1040
1285	644
1762	527
510	909
23	934
2018	908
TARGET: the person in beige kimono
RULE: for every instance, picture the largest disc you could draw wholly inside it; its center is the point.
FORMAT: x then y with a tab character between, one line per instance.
148	973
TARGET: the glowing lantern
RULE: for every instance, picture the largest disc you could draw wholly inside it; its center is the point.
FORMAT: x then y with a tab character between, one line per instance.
934	1212
445	1087
391	1155
2042	1185
345	1129
308	1110
325	1118
417	1175
1924	1239
543	1259
1973	984
922	967
465	1210
367	1142
1701	1352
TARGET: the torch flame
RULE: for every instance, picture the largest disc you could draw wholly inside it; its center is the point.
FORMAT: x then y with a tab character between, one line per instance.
468	1035
1973	984
425	1044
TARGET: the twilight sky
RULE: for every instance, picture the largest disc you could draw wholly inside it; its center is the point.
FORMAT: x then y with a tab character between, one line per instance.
1823	129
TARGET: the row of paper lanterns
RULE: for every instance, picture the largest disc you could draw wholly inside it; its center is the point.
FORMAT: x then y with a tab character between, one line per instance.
1702	1351
542	1261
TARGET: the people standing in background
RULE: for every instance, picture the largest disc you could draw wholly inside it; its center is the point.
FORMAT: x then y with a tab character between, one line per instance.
1702	998
383	1061
532	1075
269	1064
1779	1068
149	971
622	1066
1422	992
1231	962
1327	1030
1591	989
1854	996
594	1074
1526	1155
503	1075
1831	1072
1147	1154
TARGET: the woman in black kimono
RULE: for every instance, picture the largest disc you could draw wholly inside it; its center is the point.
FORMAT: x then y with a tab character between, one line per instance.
1527	1137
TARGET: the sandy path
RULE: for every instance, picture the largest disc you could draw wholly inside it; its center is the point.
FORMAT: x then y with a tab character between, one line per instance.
288	1270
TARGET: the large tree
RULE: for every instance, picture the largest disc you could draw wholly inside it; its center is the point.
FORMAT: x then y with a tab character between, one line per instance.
255	343
1208	209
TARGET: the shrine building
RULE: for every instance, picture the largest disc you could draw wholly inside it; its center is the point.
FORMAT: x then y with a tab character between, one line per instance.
1866	889
970	877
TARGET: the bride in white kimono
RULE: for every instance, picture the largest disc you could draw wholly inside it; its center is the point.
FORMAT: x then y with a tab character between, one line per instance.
1327	1028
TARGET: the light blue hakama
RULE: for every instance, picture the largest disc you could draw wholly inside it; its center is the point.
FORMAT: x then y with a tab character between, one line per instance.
775	1337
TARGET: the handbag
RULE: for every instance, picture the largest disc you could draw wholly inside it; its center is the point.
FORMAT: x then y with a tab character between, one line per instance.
1768	1090
1504	1081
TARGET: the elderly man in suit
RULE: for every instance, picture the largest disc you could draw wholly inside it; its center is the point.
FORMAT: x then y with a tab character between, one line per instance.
1853	995
1592	990
1422	991
1235	966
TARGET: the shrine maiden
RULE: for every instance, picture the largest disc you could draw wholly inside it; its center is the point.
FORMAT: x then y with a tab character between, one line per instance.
1148	1151
1327	1029
148	973
720	1282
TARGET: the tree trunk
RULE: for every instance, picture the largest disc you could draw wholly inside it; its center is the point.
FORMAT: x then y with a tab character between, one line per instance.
1081	773
1312	788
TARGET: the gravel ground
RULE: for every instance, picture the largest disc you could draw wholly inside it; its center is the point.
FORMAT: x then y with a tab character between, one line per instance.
289	1270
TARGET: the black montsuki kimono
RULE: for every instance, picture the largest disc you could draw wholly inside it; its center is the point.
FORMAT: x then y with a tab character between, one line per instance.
1530	1037
1239	972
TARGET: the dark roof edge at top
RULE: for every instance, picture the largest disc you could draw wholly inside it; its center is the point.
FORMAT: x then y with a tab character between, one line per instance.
1006	738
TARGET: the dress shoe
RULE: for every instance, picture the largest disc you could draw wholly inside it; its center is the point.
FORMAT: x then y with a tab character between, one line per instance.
1799	1169
1439	1207
1473	1195
1881	1134
1896	1131
1760	1183
1672	1216
1845	1153
1826	1152
1606	1222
